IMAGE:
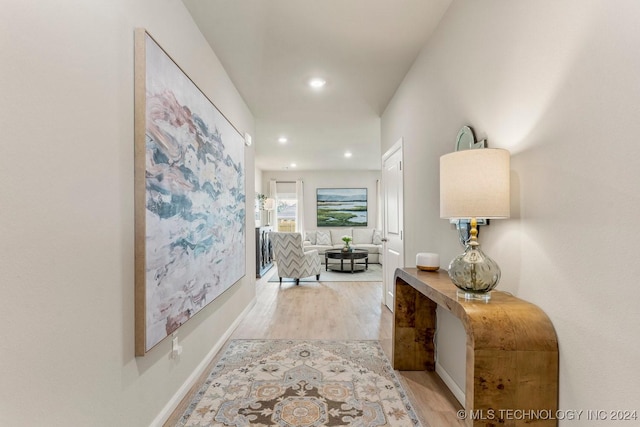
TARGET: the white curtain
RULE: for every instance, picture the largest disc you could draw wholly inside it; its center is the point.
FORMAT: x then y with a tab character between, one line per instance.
299	206
379	205
273	193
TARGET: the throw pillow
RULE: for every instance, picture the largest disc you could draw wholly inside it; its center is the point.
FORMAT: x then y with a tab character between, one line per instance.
336	235
362	236
323	238
310	236
377	237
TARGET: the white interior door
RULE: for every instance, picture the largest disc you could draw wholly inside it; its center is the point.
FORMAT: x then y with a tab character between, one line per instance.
393	208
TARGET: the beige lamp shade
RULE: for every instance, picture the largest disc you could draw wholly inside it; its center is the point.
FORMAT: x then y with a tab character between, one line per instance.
475	184
269	204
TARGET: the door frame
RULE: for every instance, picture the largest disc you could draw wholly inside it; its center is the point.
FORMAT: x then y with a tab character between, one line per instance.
397	146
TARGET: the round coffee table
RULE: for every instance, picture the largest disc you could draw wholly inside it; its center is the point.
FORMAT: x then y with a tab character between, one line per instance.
351	255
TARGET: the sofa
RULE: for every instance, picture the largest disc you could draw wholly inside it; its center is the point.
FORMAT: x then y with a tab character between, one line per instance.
331	238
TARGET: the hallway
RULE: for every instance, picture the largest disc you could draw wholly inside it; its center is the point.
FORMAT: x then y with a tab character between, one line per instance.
337	311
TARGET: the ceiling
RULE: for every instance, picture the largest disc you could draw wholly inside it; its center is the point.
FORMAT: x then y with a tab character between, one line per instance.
362	48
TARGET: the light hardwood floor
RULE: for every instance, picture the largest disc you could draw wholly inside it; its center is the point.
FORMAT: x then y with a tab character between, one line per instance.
337	311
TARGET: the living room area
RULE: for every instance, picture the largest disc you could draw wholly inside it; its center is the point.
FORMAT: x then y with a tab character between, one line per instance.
293	212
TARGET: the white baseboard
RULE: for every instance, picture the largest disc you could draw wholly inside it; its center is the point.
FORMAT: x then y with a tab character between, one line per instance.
173	403
446	378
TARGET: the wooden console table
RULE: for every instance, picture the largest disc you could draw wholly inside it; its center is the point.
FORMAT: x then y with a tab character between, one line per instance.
512	349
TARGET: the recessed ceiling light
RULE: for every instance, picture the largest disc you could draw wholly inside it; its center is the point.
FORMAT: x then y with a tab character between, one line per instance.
293	165
348	154
282	140
317	83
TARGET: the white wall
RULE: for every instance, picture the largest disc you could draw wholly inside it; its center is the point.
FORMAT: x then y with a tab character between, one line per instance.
557	84
328	179
66	218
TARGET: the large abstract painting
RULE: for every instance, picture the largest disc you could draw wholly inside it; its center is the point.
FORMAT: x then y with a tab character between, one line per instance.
341	207
189	197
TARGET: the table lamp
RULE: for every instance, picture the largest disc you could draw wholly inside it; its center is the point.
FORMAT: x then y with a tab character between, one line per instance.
269	205
474	184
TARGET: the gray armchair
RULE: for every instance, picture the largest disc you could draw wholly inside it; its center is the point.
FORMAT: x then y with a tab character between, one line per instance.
292	260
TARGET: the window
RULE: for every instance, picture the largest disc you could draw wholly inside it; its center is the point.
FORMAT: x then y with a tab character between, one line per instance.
287	214
286	206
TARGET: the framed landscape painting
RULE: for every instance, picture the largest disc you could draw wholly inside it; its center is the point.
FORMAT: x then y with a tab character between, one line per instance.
189	197
341	207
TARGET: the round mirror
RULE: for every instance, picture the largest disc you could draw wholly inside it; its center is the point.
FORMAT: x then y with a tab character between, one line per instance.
465	139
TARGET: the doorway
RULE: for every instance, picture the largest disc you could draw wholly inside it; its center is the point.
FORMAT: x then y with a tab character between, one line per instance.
393	219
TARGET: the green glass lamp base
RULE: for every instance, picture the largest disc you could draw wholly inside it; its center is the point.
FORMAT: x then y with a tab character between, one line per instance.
474	273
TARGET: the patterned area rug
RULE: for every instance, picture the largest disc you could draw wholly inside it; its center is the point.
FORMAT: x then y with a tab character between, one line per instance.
373	274
292	383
